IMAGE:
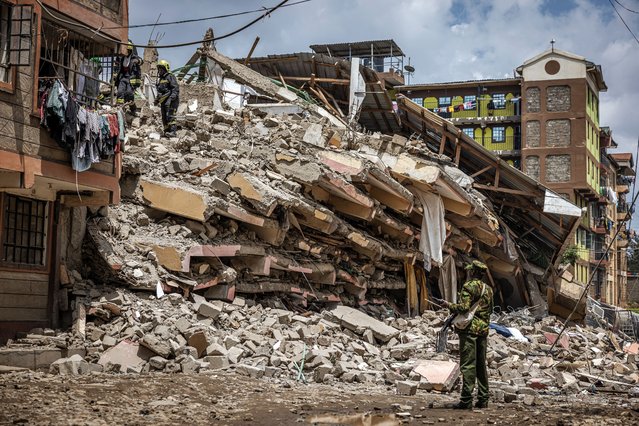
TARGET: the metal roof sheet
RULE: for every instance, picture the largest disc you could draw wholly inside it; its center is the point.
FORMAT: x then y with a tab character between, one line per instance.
359	48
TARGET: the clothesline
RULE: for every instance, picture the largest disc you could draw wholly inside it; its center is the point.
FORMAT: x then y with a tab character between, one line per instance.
89	135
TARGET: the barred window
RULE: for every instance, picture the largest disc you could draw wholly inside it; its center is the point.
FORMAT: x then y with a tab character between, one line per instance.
25	231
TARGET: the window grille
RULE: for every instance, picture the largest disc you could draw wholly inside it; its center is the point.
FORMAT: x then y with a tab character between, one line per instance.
84	64
25	231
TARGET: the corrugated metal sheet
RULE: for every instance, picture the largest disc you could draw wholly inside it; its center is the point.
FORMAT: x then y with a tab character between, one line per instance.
377	109
359	48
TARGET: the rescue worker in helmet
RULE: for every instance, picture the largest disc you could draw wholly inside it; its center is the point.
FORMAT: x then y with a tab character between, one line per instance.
129	77
168	97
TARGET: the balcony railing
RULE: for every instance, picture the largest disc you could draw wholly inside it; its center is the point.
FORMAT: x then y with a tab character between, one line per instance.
507	143
625	180
484	108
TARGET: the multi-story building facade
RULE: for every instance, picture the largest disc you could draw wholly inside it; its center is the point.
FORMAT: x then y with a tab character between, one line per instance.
42	197
489	111
546	123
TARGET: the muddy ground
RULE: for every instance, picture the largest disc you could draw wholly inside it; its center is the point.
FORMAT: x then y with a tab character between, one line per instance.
228	399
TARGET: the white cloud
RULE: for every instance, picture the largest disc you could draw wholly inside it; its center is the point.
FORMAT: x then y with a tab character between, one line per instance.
486	39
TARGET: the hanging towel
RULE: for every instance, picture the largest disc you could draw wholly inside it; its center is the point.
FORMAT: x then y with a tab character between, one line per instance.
433	233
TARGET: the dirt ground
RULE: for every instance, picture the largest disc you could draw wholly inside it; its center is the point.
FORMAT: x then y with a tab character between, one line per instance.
228	399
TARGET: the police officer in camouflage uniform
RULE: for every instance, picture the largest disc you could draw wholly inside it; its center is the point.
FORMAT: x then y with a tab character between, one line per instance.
473	340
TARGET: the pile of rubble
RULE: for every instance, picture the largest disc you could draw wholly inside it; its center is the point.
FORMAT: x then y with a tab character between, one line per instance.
278	198
125	332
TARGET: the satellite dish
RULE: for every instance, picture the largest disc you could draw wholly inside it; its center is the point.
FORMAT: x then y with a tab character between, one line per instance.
409	68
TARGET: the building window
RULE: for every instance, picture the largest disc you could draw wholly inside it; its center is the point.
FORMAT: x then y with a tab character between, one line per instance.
499	134
499	100
444	101
418	101
471	98
470	132
5	36
97	61
25	231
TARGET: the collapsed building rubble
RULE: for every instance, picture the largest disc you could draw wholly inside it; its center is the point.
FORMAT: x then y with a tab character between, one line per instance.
131	332
254	235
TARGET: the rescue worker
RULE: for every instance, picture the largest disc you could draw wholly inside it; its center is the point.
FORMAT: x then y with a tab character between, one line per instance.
129	78
473	340
168	97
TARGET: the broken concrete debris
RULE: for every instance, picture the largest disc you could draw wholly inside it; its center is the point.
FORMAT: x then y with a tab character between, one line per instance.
255	243
265	340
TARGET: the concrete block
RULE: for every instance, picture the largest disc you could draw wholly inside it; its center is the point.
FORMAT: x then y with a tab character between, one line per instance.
199	341
235	354
217	362
175	200
441	375
19	357
43	358
406	387
249	370
155	345
158	362
353	319
126	354
73	366
209	310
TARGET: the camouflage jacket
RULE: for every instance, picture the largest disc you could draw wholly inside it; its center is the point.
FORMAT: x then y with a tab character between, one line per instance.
470	293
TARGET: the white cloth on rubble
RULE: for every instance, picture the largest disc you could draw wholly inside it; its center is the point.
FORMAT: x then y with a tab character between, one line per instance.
448	279
433	233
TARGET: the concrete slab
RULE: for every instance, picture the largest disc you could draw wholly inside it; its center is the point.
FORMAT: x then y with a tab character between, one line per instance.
439	375
353	319
175	200
126	354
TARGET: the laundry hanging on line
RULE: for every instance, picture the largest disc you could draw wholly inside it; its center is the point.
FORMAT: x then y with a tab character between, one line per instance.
88	135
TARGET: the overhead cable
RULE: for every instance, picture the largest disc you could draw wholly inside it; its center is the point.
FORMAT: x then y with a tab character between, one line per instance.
168	46
186	21
629	10
624	22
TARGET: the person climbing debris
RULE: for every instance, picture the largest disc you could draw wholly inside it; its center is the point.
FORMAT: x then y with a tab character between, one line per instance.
168	97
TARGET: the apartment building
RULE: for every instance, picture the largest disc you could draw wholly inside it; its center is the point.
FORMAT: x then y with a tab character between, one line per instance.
48	45
545	122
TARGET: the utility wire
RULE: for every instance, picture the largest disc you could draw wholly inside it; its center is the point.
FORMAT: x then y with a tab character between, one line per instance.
622	20
629	10
186	21
634	182
168	46
592	275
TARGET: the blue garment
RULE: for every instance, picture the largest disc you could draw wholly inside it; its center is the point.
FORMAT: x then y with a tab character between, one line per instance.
500	329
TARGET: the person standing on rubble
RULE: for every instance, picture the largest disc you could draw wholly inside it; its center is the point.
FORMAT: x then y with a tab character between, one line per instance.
473	340
168	97
128	78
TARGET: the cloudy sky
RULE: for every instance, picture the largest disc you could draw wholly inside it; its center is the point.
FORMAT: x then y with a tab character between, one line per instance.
446	40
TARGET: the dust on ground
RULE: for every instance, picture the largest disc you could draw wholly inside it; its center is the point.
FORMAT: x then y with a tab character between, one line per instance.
229	399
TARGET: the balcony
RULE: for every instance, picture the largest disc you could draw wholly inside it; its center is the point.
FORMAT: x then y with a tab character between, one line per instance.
624	211
484	111
509	145
597	255
600	225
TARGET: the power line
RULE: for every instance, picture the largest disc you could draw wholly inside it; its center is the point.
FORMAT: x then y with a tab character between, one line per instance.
629	10
622	20
186	21
168	46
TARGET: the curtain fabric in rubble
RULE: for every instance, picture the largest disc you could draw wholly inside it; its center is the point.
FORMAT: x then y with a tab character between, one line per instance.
448	279
433	232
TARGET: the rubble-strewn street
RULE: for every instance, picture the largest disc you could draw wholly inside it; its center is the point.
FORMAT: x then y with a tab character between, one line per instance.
228	399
